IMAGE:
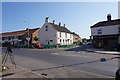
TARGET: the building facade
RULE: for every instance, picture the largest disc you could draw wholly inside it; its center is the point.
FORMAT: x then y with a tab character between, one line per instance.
19	37
51	33
106	34
76	38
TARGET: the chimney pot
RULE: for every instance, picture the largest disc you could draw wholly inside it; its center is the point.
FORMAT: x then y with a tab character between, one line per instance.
46	19
64	25
53	21
59	24
109	17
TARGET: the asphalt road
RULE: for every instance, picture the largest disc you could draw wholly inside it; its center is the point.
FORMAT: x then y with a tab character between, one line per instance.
56	62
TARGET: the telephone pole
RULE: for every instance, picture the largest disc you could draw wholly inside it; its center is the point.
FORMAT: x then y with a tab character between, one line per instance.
28	33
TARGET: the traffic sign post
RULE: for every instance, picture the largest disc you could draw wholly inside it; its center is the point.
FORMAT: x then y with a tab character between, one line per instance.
28	39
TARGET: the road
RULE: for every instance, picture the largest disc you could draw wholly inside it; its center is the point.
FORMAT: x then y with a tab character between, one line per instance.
66	62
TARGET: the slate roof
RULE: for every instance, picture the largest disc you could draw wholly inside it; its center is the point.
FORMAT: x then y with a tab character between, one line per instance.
106	23
60	28
21	32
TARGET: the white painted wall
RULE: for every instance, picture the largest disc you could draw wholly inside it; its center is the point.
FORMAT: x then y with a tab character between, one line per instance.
64	37
45	36
52	34
107	30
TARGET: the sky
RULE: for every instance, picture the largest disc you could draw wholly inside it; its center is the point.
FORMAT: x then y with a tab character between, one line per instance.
77	16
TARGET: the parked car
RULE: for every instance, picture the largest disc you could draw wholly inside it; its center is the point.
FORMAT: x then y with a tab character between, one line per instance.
89	43
117	74
36	45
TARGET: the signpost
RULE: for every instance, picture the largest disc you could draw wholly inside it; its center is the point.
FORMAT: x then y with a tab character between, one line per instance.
28	39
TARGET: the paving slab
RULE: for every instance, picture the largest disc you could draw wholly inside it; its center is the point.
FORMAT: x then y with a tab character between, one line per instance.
19	72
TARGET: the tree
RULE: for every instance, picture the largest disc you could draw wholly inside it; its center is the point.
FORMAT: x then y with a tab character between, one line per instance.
84	40
36	38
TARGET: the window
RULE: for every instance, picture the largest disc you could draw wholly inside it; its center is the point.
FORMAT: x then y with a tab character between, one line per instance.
46	28
66	41
60	34
99	31
9	38
3	38
60	40
19	37
16	37
63	41
51	40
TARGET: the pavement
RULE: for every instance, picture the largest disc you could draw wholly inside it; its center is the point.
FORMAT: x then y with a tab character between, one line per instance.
101	51
19	72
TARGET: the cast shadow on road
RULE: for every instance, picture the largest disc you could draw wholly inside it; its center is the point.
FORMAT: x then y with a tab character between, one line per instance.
69	65
8	74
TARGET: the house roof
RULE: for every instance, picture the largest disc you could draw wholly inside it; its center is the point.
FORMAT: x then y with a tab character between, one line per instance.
33	30
21	32
75	34
106	23
60	28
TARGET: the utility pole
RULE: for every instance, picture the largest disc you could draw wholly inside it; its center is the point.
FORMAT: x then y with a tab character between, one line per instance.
28	38
28	33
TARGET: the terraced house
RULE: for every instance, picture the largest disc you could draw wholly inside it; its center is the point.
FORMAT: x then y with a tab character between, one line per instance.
20	37
48	34
52	33
106	34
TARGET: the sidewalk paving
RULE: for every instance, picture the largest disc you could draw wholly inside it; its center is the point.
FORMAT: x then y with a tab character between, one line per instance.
101	51
19	72
52	73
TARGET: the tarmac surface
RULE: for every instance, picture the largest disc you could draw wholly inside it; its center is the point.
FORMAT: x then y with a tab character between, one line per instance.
63	72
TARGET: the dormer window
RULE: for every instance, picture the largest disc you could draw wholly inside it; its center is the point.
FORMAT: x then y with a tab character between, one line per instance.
46	28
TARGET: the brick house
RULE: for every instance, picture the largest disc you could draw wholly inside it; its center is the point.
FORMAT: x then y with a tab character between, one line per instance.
76	38
20	37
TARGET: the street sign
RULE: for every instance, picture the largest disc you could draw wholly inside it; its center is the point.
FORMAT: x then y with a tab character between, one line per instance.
28	39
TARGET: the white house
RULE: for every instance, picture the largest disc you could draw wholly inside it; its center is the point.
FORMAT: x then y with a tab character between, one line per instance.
51	33
106	33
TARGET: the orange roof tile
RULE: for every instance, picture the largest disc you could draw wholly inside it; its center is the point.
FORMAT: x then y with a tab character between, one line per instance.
21	32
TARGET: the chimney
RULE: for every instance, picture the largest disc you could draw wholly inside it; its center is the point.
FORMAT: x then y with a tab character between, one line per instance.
46	19
53	21
59	24
109	17
64	25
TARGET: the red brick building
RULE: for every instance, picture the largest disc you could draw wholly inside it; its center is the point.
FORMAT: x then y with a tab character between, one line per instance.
20	37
